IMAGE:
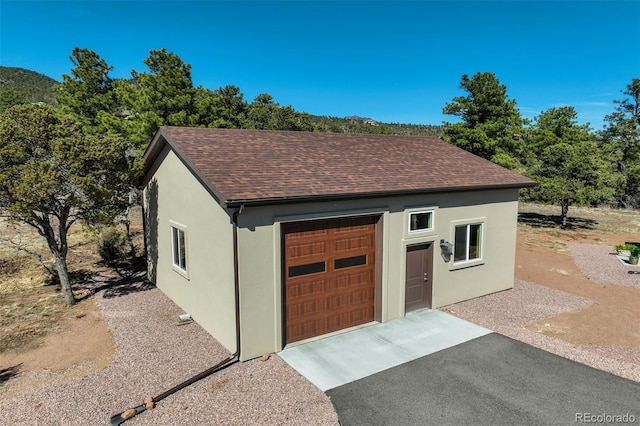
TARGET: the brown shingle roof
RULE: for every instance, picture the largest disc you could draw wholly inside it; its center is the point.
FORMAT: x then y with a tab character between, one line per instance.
257	166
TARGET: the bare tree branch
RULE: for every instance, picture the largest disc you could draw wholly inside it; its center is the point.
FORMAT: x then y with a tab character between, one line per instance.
21	246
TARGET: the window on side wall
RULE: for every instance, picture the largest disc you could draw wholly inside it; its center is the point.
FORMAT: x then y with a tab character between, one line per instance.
179	246
468	243
420	221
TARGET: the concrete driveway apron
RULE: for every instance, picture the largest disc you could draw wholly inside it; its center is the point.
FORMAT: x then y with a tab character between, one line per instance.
341	358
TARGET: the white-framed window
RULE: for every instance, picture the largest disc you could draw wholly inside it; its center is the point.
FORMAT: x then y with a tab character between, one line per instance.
467	242
179	247
420	221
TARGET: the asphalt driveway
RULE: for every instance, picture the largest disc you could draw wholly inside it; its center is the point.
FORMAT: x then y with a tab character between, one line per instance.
490	380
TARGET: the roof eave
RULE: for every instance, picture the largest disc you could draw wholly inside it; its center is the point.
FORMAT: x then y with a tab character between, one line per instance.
155	147
342	196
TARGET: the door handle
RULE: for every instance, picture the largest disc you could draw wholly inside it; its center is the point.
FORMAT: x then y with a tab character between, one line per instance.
425	276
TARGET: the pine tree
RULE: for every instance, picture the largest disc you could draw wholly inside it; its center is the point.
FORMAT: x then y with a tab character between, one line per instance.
571	168
491	126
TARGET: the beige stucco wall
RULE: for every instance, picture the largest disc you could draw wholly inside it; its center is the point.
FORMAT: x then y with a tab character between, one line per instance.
260	260
174	196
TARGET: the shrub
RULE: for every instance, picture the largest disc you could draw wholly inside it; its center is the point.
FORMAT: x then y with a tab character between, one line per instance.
111	244
624	246
635	252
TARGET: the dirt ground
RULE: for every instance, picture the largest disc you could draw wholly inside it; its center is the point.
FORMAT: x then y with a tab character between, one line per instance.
542	257
80	343
42	340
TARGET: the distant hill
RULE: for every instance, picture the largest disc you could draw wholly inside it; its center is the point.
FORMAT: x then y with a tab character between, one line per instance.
365	119
39	88
36	87
355	124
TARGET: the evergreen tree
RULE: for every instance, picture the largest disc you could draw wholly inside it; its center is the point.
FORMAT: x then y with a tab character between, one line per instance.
209	109
232	107
163	96
89	90
265	114
571	169
491	125
11	97
621	135
53	174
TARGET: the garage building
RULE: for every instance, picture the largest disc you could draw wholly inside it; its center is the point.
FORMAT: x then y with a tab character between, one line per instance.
269	237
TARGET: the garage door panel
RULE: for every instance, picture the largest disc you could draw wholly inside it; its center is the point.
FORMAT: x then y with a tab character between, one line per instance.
353	279
350	299
301	251
308	309
347	319
308	328
353	243
307	229
306	288
342	293
334	322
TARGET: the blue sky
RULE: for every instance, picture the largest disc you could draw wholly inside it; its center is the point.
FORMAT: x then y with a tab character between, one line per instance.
390	61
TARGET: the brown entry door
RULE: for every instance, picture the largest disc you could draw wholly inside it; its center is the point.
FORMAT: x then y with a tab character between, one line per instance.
419	277
329	275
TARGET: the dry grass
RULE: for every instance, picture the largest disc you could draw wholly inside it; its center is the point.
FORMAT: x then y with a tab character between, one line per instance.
27	317
585	224
602	219
30	301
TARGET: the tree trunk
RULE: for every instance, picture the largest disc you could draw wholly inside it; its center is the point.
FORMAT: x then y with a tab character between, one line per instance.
132	247
565	211
59	249
127	223
63	276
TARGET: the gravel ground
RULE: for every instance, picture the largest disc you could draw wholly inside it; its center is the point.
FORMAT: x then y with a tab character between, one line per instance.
509	312
607	267
152	355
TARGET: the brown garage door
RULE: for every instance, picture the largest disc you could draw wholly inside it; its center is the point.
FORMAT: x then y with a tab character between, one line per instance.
329	275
